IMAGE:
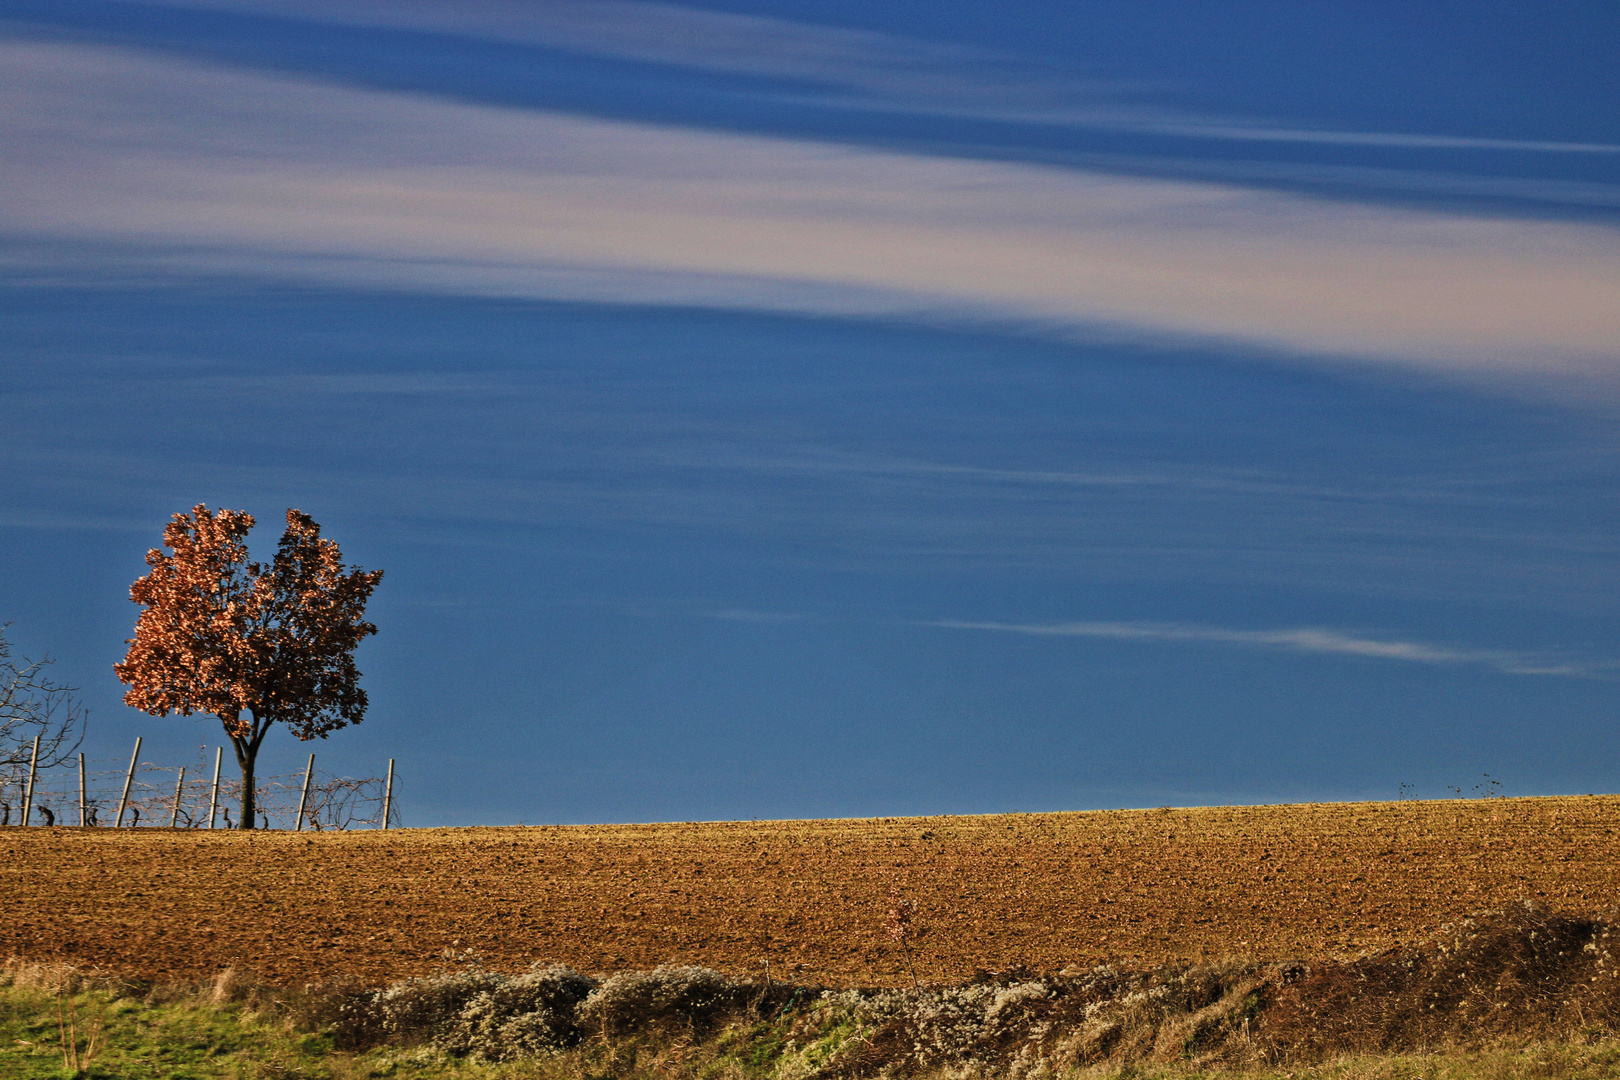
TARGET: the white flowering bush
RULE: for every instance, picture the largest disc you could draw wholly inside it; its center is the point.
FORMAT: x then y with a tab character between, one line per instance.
473	1012
412	1010
669	996
518	1016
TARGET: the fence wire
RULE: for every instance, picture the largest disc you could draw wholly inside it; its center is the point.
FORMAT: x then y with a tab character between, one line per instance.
161	795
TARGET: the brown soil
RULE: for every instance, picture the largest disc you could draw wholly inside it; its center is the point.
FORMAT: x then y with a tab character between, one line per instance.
1045	891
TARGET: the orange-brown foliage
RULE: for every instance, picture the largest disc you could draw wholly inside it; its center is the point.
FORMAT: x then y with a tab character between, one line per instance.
250	643
223	635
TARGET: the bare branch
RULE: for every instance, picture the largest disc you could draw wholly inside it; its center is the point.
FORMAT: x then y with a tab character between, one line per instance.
32	705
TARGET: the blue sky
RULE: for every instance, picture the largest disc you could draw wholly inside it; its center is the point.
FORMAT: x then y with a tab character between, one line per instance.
779	410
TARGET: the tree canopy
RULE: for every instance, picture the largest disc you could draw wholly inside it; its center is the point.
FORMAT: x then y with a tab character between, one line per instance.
253	644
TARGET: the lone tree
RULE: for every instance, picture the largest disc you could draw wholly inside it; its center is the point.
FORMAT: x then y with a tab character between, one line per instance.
249	643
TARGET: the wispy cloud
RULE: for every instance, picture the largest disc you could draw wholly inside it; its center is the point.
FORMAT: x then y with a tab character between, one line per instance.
858	68
210	168
1304	639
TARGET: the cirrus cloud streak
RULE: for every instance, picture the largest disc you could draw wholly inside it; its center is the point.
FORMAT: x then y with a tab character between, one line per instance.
1300	639
205	166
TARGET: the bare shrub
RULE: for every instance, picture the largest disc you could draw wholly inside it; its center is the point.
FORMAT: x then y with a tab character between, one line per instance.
669	996
413	1011
522	1015
468	1011
341	802
33	707
1033	1027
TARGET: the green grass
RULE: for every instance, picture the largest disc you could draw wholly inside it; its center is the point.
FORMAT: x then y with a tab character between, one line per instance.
141	1040
179	1040
190	1037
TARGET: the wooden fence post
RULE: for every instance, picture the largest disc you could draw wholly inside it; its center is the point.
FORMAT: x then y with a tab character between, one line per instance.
129	778
213	799
303	797
388	793
33	768
174	816
83	813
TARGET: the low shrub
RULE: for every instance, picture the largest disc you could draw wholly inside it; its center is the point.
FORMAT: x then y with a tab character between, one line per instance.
685	997
469	1011
1037	1026
524	1015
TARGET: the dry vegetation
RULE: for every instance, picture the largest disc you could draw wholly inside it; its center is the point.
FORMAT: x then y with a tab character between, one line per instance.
1042	892
1517	992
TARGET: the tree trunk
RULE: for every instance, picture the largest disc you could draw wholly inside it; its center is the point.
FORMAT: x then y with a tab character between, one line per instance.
247	756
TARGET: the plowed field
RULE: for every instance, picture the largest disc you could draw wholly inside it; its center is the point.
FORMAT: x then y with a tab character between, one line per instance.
1042	890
